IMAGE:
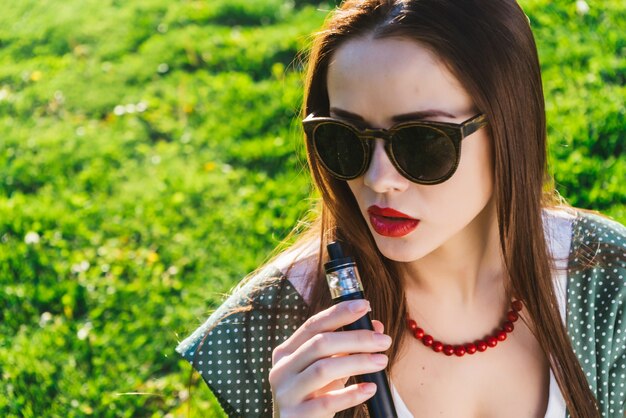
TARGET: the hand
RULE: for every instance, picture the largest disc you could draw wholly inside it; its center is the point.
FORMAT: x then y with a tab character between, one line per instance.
310	369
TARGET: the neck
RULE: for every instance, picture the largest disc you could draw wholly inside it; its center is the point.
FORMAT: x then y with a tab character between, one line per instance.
465	269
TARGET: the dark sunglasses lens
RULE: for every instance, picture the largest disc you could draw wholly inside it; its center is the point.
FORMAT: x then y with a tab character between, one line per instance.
340	149
425	153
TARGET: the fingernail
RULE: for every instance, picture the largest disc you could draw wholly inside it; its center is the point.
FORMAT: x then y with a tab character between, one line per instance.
368	388
382	339
358	305
379	359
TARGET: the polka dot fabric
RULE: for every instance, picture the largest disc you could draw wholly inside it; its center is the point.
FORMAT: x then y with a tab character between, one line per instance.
596	315
236	355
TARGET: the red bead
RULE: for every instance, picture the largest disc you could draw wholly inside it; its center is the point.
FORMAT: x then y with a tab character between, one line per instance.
469	348
481	345
418	333
512	316
508	326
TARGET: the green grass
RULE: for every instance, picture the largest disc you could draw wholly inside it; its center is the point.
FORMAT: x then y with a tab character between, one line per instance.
150	159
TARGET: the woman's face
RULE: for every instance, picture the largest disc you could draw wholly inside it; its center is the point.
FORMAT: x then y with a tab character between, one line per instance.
374	81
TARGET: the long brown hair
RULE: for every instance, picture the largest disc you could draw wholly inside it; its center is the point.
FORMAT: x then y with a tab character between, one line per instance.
490	49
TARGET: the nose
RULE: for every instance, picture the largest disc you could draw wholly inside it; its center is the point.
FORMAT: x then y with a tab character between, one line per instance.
381	176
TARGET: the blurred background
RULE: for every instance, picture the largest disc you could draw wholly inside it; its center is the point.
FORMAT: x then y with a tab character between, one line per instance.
150	157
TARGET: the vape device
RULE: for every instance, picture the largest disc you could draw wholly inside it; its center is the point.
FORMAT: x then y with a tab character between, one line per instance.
345	284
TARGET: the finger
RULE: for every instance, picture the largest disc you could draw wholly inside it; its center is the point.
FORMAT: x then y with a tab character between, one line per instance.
378	326
329	344
338	400
330	319
334	385
326	370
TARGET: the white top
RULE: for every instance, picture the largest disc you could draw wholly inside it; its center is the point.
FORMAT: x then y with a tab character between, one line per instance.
557	227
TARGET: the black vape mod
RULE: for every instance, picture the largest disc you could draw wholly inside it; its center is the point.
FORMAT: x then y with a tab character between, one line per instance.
345	284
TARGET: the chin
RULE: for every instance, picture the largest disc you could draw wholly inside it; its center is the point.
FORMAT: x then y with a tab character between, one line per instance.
400	250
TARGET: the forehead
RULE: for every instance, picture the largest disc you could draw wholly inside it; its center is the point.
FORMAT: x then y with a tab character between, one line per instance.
379	78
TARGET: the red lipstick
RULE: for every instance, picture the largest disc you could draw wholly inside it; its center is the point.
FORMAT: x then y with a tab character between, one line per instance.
390	222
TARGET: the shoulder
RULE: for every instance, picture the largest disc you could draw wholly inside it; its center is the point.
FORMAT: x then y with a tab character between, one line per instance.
259	299
587	237
281	285
598	245
592	227
299	266
232	349
597	260
557	227
596	302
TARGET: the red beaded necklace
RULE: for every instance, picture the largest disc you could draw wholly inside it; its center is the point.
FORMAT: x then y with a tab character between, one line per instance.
469	348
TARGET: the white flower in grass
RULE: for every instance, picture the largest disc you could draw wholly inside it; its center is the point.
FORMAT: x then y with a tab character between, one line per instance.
163	68
32	238
582	7
4	94
81	267
44	319
84	331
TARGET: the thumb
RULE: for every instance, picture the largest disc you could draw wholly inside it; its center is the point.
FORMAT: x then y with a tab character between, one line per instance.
378	326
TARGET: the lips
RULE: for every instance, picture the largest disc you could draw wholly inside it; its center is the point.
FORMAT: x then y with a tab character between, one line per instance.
390	222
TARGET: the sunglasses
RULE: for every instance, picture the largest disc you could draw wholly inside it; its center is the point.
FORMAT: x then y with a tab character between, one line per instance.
424	152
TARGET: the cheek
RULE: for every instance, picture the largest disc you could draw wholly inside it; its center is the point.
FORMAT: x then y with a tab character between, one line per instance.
476	165
471	186
356	187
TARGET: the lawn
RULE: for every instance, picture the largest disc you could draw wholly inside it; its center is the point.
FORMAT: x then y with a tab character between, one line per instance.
150	156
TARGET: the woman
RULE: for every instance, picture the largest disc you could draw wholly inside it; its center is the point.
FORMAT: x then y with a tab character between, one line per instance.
425	132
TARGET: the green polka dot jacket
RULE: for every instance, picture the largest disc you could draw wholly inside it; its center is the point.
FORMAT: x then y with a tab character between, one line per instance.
235	356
